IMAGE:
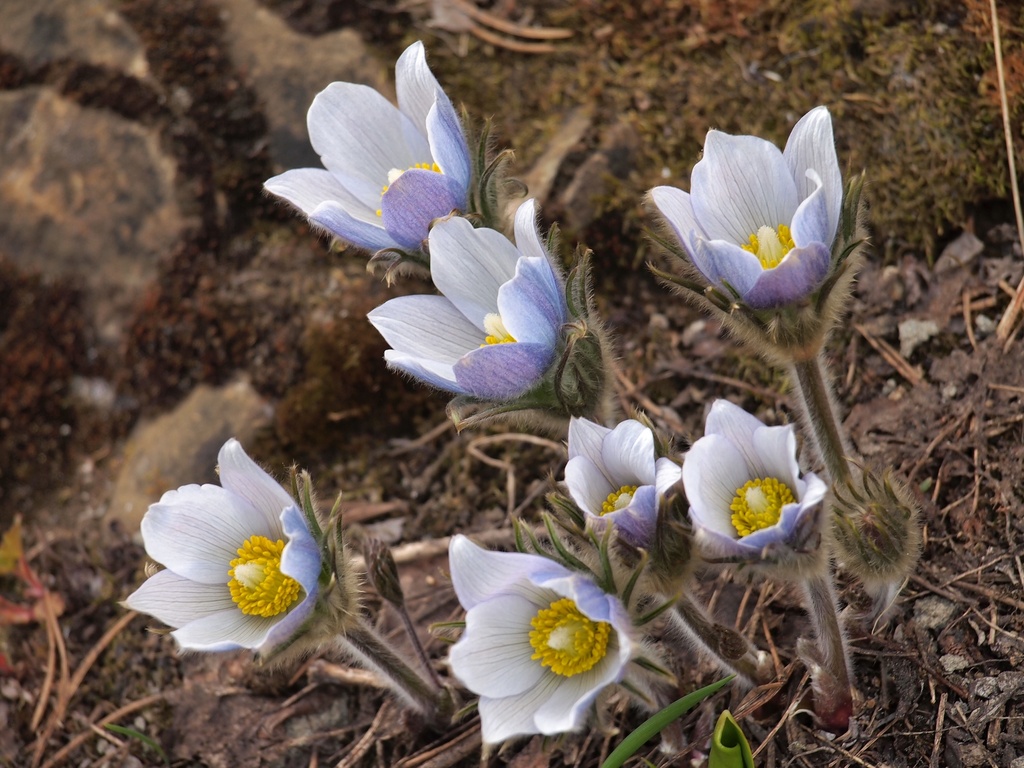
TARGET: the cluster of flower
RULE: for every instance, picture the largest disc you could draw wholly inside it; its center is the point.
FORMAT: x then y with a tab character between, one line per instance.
767	242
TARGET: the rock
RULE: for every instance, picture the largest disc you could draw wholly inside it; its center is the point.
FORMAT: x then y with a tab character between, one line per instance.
90	31
952	662
288	69
959	253
181	447
985	687
933	612
914	333
85	195
615	159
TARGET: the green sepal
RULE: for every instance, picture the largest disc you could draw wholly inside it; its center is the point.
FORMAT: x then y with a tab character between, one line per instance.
729	747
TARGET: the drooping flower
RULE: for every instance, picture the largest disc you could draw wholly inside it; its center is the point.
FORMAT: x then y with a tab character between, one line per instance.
747	497
614	476
390	170
540	641
759	221
494	332
241	568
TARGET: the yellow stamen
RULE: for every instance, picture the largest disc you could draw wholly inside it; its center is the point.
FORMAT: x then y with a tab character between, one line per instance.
770	245
394	173
618	499
758	504
257	584
566	641
497	333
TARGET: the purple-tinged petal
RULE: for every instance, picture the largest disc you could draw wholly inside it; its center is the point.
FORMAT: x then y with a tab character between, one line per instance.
358	132
432	373
811	222
637	523
224	631
723	262
796	277
448	145
415	85
503	371
478	574
414	200
676	207
741	184
469	266
301	556
427	327
811	146
342	224
532	304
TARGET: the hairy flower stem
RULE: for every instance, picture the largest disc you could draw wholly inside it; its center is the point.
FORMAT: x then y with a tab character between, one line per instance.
362	643
828	662
820	415
729	647
421	654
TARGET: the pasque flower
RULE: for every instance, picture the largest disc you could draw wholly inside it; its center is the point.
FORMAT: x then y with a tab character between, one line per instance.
747	497
494	332
241	568
390	170
614	476
540	642
758	222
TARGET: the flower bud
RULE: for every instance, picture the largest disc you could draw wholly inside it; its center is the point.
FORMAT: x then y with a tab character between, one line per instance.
382	573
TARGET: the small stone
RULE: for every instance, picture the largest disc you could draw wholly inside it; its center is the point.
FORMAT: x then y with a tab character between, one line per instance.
952	662
959	253
949	391
1011	681
181	447
933	612
1017	762
984	324
914	333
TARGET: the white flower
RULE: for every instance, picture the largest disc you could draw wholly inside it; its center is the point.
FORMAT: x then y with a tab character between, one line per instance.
390	170
747	497
613	476
494	332
540	642
757	219
241	569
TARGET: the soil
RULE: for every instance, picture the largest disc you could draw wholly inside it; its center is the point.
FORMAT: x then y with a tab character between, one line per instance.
249	290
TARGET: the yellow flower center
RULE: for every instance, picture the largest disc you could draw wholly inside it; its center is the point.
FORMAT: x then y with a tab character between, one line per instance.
758	504
770	245
566	641
257	584
618	499
394	173
497	333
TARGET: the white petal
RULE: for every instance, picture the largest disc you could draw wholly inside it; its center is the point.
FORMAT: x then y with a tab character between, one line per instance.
737	426
628	454
775	448
503	718
586	438
741	184
196	531
243	476
712	473
493	657
527	237
469	266
435	374
415	85
588	485
811	146
667	474
308	188
224	631
176	601
358	132
428	327
677	209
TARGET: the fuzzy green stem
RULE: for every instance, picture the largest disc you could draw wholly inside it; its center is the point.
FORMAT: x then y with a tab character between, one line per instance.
829	662
732	650
820	415
362	643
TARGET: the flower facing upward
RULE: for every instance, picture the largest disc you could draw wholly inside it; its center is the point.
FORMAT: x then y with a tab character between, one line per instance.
757	220
241	568
494	332
540	642
614	476
390	170
747	497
